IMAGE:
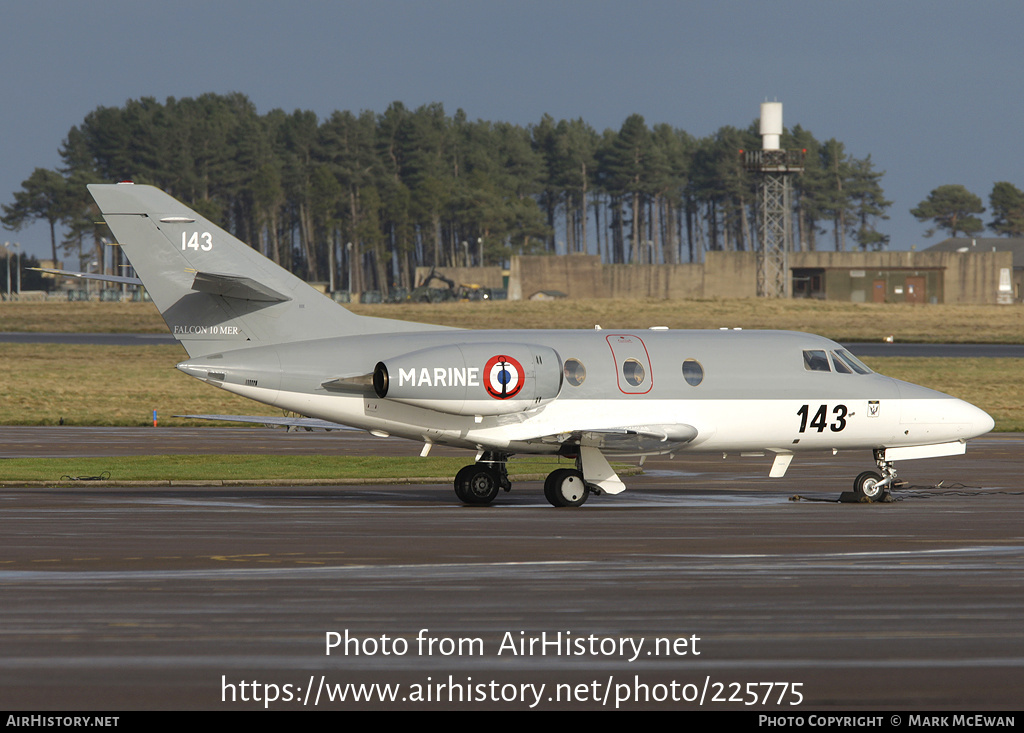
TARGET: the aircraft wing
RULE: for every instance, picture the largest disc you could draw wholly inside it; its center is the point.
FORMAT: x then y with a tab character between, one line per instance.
628	439
290	422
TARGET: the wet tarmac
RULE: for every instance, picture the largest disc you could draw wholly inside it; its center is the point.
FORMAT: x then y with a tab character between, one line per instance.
706	584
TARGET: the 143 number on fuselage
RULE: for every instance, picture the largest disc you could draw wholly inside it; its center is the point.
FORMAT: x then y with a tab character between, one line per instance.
820	419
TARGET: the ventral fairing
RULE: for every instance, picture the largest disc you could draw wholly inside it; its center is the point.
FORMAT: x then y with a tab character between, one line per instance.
256	330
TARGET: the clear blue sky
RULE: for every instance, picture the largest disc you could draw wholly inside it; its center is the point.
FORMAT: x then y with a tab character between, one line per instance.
932	89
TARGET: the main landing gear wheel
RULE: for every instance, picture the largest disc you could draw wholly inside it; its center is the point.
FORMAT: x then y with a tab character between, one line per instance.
565	487
477	485
865	486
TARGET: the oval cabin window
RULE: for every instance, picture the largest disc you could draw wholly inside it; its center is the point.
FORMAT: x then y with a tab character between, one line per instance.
634	372
574	372
693	372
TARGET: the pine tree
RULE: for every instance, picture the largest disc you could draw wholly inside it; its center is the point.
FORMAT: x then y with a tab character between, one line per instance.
951	208
1007	202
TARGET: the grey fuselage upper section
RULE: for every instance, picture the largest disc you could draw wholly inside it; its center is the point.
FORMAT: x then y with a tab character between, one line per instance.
734	364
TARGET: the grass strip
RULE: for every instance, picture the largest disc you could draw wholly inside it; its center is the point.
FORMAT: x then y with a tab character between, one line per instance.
941	323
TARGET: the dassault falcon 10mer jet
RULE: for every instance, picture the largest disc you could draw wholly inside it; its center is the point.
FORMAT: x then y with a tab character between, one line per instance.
254	329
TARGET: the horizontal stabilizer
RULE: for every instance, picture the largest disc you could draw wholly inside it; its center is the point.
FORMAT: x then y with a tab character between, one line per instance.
90	276
290	422
236	286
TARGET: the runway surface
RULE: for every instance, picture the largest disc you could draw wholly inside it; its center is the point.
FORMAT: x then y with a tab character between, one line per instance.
95	339
144	598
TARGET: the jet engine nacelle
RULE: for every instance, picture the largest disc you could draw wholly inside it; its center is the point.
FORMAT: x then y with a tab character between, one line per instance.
472	379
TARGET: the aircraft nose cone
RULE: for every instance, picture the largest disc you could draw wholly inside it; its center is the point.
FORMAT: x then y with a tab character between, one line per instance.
935	412
970	420
982	421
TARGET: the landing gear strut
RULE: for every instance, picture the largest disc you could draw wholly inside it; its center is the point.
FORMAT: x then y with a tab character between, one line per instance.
479	484
875	486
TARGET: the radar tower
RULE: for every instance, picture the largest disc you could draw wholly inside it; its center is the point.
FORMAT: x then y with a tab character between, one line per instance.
774	167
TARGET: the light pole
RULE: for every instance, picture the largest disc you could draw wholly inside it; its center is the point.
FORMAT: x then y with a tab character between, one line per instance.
17	266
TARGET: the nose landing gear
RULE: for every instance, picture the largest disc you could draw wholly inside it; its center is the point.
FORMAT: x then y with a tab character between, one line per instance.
873	486
868	485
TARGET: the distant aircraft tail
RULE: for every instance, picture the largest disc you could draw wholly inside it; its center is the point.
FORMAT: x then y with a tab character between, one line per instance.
215	292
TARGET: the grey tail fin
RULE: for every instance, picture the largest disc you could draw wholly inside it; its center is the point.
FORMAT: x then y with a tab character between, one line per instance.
215	292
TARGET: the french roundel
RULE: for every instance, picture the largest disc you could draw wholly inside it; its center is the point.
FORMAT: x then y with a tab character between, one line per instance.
503	377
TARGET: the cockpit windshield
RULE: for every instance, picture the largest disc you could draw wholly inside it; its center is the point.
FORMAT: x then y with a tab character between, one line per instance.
815	360
845	357
842	362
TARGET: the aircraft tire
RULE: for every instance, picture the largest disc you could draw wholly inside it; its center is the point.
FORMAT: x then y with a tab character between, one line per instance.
865	486
477	485
459	483
549	488
565	487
